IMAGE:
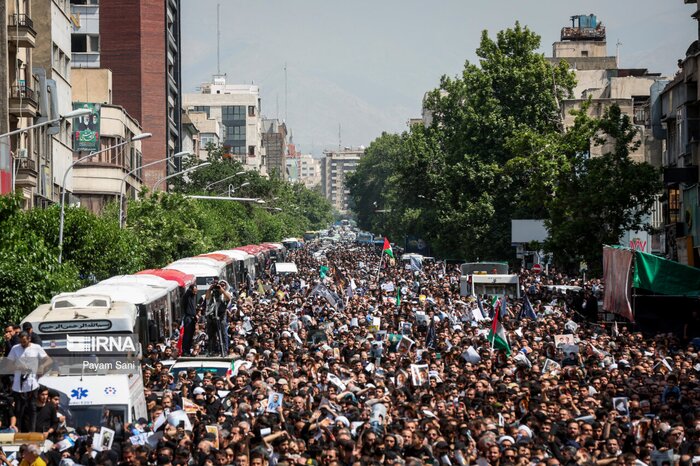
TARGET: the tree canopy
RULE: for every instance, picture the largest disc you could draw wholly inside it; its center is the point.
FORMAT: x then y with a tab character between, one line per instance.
494	149
160	228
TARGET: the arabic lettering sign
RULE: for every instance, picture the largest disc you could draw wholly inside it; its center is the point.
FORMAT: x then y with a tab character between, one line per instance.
74	326
86	136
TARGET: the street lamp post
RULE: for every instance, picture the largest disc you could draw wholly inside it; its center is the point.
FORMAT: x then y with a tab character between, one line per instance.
232	190
253	200
183	172
72	114
65	177
206	188
122	187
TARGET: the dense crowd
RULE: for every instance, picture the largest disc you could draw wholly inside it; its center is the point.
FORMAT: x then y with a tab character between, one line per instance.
345	364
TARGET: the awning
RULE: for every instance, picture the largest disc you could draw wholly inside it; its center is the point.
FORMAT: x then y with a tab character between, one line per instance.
664	276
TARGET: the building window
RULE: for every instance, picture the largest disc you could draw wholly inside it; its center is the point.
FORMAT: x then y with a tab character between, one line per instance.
673	206
234	133
251	110
201	108
251	151
233	113
85	43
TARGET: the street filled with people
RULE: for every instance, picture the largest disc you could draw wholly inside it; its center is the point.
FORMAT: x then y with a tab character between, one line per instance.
360	358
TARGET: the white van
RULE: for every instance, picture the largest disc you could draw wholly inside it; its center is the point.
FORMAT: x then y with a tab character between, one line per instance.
490	284
91	395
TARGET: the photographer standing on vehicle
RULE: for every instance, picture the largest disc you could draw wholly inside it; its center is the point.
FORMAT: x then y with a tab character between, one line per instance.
189	318
217	299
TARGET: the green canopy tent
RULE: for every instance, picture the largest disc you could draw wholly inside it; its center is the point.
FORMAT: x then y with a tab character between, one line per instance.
656	293
665	277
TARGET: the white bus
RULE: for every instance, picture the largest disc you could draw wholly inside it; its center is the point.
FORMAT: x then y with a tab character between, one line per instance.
155	320
204	273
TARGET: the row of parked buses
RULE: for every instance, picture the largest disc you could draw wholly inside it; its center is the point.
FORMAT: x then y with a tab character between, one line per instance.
97	335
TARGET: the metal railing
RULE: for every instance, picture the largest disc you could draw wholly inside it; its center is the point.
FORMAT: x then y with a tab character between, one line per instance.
27	164
22	20
22	91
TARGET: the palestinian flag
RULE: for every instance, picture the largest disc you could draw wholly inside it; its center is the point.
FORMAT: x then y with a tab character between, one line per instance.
387	249
497	335
398	296
495	304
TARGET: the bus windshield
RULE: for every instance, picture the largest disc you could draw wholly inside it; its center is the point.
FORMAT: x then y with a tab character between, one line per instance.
98	415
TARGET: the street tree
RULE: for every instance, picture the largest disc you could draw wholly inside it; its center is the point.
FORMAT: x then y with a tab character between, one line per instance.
596	199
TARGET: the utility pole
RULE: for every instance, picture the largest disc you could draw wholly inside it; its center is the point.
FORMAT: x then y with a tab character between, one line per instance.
285	92
218	39
617	53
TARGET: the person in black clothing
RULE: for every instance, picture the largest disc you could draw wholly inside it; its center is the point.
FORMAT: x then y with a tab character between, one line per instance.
190	318
46	419
11	338
34	338
217	299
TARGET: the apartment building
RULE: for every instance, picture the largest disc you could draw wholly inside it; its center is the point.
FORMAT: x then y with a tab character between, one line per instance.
583	46
52	66
335	167
139	40
274	141
236	110
676	120
101	179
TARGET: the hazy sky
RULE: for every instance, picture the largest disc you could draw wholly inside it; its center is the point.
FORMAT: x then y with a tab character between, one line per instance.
365	64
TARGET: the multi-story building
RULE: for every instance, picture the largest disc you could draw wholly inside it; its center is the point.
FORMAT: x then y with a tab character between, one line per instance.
27	161
335	167
189	139
102	178
599	79
236	109
139	40
676	119
309	170
85	39
208	130
19	104
274	140
52	64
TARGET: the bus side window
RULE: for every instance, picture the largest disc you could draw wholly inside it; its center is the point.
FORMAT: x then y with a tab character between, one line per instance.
152	331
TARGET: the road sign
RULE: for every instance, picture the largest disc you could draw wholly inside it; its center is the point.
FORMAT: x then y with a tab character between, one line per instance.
536	268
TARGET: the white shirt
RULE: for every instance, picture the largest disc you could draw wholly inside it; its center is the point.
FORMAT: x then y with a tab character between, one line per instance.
27	360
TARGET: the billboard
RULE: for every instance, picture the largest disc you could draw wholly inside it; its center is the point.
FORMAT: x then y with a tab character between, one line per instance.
86	129
526	231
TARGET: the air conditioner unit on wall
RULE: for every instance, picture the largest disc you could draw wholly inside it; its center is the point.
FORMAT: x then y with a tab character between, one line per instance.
22	153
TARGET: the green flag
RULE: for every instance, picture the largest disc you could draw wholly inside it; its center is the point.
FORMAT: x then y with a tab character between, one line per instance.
323	271
398	296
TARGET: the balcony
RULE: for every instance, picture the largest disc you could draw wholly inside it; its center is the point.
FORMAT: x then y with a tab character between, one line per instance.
23	101
20	31
26	174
